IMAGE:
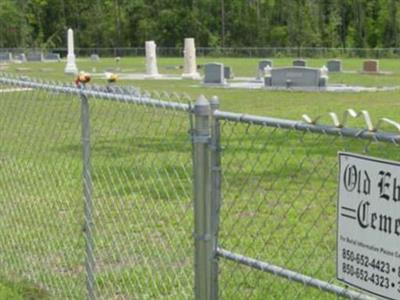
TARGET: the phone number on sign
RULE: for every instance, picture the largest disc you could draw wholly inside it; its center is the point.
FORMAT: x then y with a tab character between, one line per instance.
365	261
376	279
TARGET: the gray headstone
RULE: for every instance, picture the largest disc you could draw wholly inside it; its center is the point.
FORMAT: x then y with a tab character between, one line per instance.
20	57
34	57
5	56
214	73
228	73
334	65
261	66
94	57
299	63
52	56
296	77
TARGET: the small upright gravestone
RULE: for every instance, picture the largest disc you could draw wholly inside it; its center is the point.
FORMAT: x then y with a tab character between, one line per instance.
34	56
21	57
228	73
299	63
371	66
94	57
5	56
214	74
52	57
334	65
261	66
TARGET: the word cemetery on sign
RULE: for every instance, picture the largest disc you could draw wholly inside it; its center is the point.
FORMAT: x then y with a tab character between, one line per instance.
368	237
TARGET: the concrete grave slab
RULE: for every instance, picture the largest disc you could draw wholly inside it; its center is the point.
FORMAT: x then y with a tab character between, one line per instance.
290	77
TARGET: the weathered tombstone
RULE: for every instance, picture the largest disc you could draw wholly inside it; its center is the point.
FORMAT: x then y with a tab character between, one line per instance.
228	73
371	66
34	56
20	57
298	77
5	56
52	57
261	66
190	66
214	74
151	60
94	57
334	65
299	63
71	68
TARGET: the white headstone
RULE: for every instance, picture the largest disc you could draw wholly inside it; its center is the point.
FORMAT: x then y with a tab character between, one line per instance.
190	66
151	60
71	68
20	57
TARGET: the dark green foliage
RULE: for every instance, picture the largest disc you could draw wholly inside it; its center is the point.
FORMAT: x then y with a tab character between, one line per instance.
234	23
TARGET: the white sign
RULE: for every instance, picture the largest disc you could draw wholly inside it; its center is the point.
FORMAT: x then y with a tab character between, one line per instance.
368	216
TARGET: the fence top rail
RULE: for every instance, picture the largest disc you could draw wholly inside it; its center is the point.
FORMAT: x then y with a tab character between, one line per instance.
361	133
205	48
106	93
135	97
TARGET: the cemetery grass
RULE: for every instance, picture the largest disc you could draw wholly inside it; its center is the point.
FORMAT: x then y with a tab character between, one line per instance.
273	103
42	160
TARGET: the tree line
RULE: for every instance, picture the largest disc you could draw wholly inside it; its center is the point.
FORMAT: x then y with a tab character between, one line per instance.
213	23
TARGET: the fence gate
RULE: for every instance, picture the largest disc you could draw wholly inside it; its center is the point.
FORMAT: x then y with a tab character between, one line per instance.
277	227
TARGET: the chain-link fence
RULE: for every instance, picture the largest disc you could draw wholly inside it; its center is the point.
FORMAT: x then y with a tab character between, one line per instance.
279	205
97	186
260	52
126	234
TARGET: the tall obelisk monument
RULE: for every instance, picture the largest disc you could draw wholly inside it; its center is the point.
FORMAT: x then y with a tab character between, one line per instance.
71	68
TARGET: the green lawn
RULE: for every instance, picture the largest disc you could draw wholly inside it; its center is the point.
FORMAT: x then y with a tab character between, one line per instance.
279	186
20	291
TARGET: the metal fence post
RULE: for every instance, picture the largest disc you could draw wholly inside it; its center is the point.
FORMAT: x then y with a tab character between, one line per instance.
202	201
87	193
215	192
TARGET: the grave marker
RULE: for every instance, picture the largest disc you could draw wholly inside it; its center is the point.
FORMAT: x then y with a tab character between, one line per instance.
94	57
214	74
261	66
52	57
151	60
71	68
20	57
299	63
371	66
334	65
190	66
228	72
297	77
5	56
35	57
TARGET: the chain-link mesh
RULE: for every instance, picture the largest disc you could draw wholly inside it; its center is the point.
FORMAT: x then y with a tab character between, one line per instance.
142	187
279	206
41	191
114	220
138	227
